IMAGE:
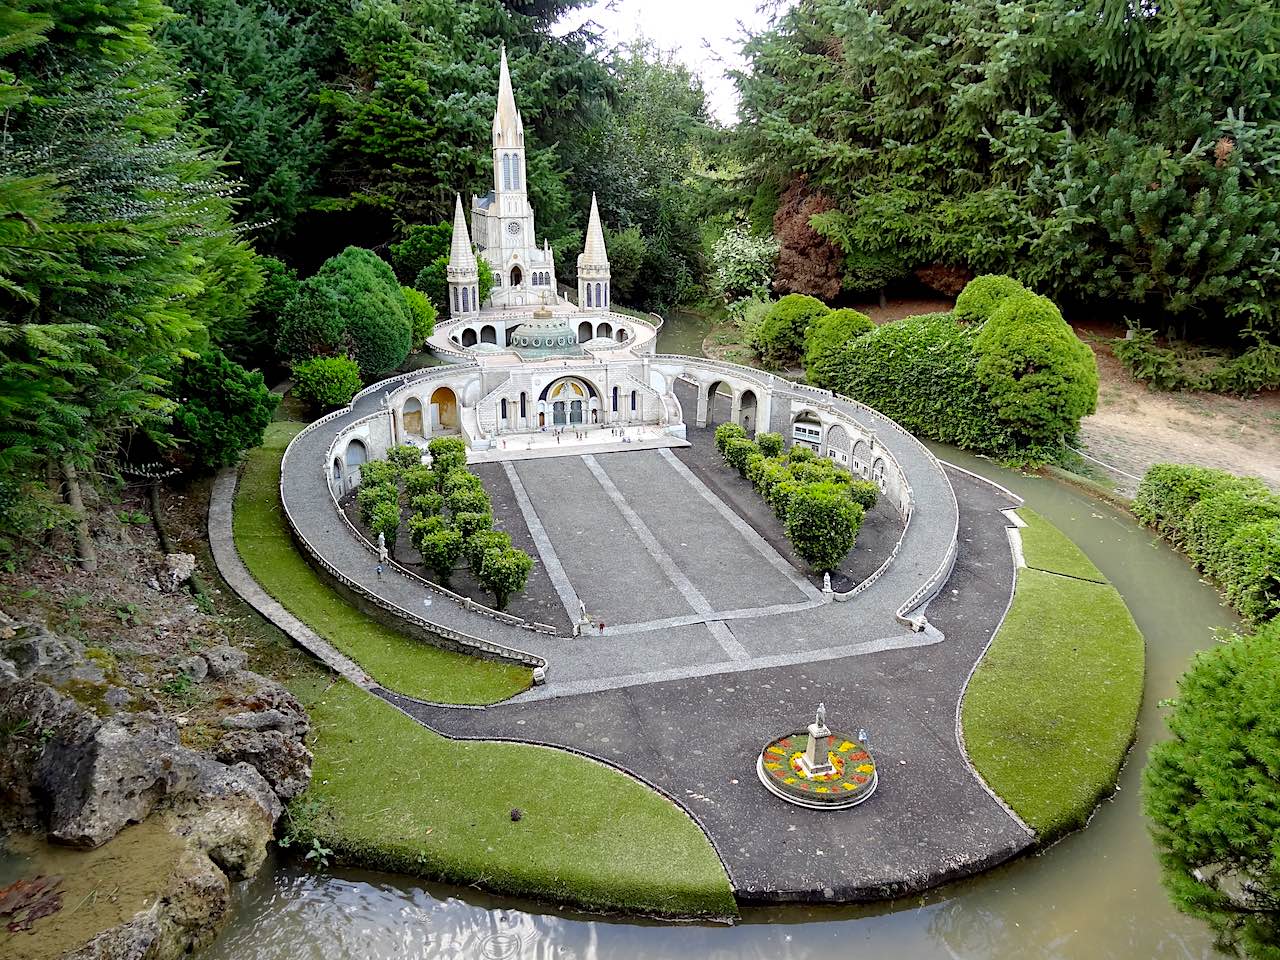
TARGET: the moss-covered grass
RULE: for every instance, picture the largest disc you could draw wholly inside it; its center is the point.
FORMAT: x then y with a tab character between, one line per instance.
396	661
1051	710
1047	548
388	793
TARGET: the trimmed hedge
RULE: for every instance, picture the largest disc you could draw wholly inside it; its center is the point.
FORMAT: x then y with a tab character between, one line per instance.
982	295
829	332
326	382
779	340
1229	527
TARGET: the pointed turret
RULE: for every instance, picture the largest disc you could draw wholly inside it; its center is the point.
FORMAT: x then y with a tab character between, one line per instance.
593	265
508	129
463	272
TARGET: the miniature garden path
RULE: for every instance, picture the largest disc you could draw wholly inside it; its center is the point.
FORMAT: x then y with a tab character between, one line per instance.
684	590
697	738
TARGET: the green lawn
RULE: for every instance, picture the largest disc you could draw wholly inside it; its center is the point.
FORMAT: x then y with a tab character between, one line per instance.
1051	709
390	794
1047	548
396	661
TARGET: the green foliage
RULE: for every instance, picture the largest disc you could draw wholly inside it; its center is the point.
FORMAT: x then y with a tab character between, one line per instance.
440	446
505	571
1257	368
379	472
375	315
404	456
480	543
1040	378
419	480
822	524
312	323
1251	570
828	333
223	410
433	281
737	451
1159	367
981	295
461	480
471	522
742	264
770	444
1168	492
440	550
865	493
468	500
1210	793
780	338
371	494
726	432
628	253
922	372
384	519
252	340
423	245
422	525
427	504
1211	523
422	316
1171	368
326	382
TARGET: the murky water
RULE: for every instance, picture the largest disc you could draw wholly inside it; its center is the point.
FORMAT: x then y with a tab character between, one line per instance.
1095	895
682	333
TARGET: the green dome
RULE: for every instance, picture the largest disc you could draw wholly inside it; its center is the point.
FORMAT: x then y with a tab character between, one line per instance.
547	334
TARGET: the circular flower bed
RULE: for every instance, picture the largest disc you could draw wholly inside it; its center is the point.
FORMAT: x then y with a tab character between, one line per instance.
852	781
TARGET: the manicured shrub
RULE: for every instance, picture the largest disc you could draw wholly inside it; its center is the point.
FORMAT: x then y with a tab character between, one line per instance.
471	522
780	338
374	313
461	480
385	519
1250	570
1210	793
404	457
1169	491
814	469
423	525
422	316
468	500
223	410
326	382
1038	375
865	493
981	295
736	453
439	446
922	372
505	572
440	550
419	480
768	475
829	332
368	497
480	543
726	432
770	444
378	473
428	504
822	524
1211	523
423	244
312	323
780	495
799	453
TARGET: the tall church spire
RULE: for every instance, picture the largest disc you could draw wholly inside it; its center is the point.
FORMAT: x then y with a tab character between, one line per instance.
593	266
508	129
462	272
593	252
461	256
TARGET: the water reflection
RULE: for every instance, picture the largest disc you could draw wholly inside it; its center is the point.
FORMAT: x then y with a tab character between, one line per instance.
1094	896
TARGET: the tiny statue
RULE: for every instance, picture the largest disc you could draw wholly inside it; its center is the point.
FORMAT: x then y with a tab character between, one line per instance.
382	547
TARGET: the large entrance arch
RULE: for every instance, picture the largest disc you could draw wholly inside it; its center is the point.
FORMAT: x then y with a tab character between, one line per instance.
469	337
517	277
719	403
444	411
411	416
584	331
747	416
488	334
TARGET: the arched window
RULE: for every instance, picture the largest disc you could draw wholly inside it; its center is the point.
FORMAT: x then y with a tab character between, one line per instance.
466	299
504	408
633	401
606	293
524	406
506	171
588	294
599	302
615	399
515	171
455	300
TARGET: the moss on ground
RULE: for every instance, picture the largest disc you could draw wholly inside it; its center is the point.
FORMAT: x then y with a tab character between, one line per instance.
396	661
1051	710
1047	548
388	793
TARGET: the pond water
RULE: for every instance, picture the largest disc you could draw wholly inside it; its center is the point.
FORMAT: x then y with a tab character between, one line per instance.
683	333
1095	895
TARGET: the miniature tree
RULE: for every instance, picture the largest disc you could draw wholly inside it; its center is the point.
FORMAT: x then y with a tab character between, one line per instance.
385	520
822	524
480	543
504	572
440	551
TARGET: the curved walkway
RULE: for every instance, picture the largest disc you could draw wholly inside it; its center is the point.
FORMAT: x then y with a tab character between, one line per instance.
708	643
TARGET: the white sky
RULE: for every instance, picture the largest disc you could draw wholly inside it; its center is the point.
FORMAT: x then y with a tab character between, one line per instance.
704	34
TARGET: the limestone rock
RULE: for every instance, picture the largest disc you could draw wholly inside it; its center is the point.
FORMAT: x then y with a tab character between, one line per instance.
177	570
259	694
197	668
224	660
282	760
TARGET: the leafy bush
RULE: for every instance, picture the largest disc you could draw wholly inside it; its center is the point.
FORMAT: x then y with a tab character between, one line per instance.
822	524
1186	368
468	500
981	295
440	446
461	480
1168	492
780	338
1251	570
1150	364
222	409
480	543
427	504
471	522
422	316
377	473
369	496
312	323
326	382
504	572
1258	368
800	452
440	550
770	444
828	333
865	493
404	456
448	454
423	244
419	480
1040	378
726	432
742	264
1210	792
1211	523
749	315
421	526
737	451
385	519
433	280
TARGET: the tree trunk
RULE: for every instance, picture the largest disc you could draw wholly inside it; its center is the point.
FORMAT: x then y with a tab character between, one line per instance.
86	555
884	301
